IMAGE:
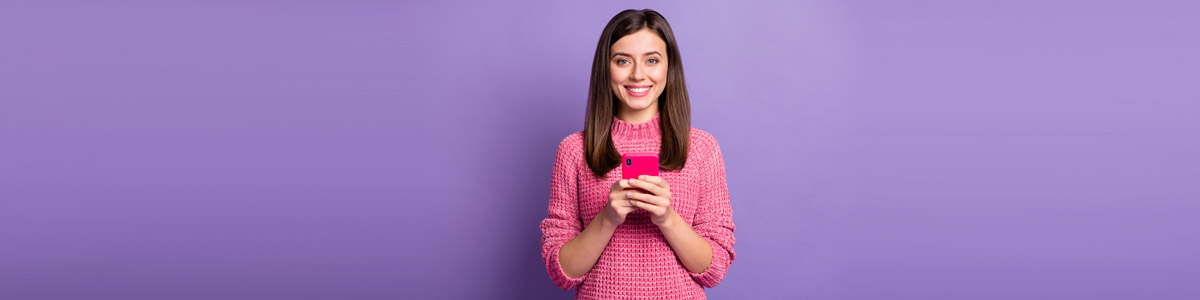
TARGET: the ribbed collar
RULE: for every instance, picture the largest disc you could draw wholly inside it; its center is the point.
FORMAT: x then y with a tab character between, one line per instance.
622	130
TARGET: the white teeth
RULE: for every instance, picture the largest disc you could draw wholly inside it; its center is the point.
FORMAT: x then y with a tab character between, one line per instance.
639	90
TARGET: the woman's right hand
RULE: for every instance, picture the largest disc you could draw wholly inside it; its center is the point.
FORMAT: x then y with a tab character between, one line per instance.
618	205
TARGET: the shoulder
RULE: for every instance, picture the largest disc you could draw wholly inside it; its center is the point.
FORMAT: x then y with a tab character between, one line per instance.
571	146
573	140
704	148
703	141
706	152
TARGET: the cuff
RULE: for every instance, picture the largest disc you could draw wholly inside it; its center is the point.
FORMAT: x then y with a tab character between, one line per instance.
554	269
716	269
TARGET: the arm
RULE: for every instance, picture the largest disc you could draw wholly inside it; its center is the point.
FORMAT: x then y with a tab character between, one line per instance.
562	222
705	247
579	255
714	219
692	249
569	250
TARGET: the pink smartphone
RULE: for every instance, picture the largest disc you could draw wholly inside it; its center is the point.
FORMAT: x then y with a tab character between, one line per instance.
637	164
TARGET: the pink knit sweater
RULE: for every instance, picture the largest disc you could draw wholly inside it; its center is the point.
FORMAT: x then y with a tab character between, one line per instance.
638	263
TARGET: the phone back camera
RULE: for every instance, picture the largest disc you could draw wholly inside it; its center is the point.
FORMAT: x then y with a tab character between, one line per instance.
628	162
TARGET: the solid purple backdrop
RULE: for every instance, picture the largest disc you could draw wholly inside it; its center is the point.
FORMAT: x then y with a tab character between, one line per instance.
376	150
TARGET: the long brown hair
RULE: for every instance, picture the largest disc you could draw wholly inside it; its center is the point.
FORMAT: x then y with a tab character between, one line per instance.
673	108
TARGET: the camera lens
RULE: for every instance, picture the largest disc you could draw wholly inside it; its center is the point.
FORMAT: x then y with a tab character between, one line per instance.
628	162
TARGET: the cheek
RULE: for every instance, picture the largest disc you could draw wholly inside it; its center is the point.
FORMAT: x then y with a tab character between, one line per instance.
616	76
659	74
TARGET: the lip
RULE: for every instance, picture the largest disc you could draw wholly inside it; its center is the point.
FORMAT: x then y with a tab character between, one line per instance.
629	89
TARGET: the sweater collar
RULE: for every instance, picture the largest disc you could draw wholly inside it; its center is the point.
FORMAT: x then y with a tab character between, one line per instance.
646	130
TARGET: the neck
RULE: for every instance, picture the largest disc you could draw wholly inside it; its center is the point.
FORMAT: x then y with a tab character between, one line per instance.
637	116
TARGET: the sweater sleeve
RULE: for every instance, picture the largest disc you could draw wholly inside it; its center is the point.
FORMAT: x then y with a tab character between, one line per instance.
562	221
714	219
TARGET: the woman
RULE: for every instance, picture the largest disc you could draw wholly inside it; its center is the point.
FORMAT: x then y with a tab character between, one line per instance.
662	237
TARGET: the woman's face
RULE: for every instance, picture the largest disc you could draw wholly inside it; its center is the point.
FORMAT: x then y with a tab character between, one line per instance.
638	69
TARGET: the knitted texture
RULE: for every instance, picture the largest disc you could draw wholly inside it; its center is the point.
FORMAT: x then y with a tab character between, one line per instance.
638	263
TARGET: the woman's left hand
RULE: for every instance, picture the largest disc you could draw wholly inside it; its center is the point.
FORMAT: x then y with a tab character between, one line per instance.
657	202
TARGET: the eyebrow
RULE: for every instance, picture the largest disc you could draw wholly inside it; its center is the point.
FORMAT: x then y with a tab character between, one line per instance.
627	54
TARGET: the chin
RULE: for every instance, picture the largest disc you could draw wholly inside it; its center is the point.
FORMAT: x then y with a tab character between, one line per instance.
639	104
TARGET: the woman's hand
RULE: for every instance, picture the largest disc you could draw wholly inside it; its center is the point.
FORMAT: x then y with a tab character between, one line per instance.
657	202
618	205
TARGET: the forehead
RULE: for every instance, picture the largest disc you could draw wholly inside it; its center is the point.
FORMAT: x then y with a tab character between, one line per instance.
640	42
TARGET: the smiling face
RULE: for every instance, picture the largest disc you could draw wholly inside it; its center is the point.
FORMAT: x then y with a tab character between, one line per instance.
638	71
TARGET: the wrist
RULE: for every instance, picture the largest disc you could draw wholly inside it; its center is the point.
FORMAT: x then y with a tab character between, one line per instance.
672	220
605	221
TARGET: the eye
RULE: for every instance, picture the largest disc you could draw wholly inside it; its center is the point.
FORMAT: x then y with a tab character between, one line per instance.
622	61
652	60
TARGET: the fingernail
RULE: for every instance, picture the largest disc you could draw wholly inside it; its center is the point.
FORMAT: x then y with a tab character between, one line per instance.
631	180
628	194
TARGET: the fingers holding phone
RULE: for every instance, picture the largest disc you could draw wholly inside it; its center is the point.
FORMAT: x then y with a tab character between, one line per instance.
647	190
653	194
620	200
618	205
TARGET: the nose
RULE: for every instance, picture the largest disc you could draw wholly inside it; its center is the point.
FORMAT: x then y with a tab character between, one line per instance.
638	73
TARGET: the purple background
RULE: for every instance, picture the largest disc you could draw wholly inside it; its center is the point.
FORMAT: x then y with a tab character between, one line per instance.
376	150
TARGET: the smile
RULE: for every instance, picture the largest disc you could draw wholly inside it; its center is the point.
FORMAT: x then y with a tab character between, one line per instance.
638	90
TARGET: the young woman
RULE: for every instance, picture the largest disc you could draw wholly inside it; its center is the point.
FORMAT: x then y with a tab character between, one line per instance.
603	235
